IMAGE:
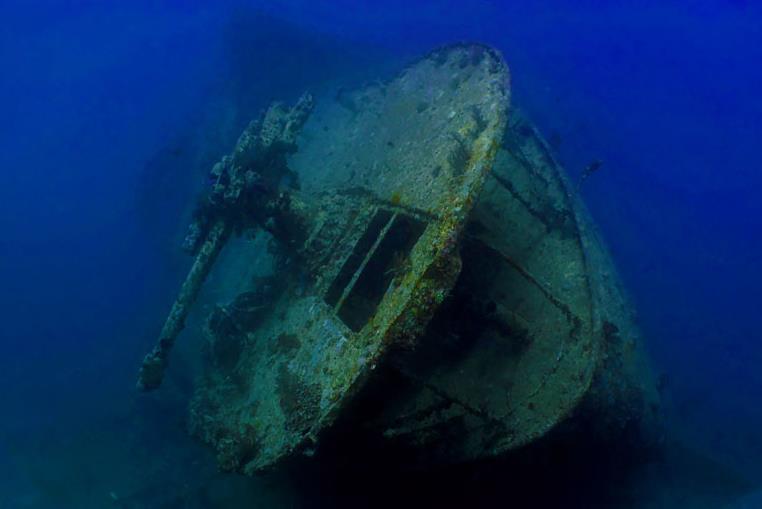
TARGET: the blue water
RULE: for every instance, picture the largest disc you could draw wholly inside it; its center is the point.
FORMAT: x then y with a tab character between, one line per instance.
108	110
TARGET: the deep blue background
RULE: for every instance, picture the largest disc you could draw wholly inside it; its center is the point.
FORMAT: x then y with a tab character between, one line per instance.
666	93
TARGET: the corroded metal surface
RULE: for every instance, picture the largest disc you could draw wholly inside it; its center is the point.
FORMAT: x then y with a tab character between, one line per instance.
388	176
536	329
244	182
481	298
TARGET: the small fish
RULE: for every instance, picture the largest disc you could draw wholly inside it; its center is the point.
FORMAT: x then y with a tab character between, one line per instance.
591	168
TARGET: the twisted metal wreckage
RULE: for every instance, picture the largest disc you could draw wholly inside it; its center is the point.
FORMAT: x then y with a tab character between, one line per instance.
418	227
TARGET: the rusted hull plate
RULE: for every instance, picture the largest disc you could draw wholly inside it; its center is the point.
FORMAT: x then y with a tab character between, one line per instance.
536	329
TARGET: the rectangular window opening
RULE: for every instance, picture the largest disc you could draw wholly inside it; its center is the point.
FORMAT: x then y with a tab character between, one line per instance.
390	259
376	225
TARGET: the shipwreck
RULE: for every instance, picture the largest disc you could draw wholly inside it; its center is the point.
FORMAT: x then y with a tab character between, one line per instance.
411	249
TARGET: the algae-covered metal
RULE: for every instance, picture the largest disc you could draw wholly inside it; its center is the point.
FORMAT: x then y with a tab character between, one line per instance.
388	176
419	241
537	329
242	193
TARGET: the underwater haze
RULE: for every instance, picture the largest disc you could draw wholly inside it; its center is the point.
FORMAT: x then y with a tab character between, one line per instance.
114	113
